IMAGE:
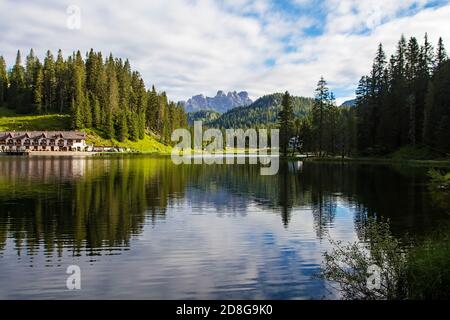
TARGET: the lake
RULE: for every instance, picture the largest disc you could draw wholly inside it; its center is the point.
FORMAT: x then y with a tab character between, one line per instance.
142	228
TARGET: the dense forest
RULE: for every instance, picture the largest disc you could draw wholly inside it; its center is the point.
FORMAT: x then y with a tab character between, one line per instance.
406	100
98	93
402	103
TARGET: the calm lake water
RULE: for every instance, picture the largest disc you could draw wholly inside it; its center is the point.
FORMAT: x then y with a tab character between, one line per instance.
143	228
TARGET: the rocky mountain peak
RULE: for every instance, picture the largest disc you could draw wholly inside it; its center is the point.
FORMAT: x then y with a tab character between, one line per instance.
221	102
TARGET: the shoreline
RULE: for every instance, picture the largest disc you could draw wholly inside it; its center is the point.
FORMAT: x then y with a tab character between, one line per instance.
443	162
83	154
51	154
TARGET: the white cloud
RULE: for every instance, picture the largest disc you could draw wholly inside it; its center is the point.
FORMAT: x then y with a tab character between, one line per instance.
200	46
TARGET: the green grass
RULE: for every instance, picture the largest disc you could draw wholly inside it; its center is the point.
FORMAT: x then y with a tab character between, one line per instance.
415	153
147	145
408	155
9	121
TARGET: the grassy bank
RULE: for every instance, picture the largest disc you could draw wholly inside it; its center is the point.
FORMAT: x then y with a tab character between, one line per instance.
438	163
9	121
147	145
408	155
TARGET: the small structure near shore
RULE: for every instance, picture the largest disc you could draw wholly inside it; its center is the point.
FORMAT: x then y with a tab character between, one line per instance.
26	142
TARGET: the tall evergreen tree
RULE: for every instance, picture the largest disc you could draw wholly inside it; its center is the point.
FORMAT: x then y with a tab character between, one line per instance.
286	121
61	75
122	129
3	81
320	113
441	54
16	92
38	94
77	116
49	83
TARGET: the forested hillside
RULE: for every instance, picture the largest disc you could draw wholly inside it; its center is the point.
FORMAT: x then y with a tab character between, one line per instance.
263	113
203	115
98	93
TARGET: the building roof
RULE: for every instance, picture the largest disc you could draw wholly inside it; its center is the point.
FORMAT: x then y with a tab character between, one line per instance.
74	135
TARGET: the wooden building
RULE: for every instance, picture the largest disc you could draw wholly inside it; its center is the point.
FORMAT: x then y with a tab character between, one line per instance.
29	141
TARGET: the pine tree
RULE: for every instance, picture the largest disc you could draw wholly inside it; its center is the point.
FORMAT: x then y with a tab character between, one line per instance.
141	125
426	57
17	84
133	126
152	110
320	114
3	80
412	78
441	54
87	112
30	70
49	83
61	83
39	91
123	127
77	117
111	106
286	119
96	113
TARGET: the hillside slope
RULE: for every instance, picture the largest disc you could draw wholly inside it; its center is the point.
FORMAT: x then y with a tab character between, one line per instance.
263	113
9	121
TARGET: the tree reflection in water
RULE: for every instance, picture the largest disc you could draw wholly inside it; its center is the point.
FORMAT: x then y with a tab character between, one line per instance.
92	204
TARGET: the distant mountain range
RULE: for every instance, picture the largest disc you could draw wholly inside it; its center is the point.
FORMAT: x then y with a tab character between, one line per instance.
263	113
220	103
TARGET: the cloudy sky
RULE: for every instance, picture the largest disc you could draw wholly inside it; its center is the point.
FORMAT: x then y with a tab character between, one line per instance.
186	47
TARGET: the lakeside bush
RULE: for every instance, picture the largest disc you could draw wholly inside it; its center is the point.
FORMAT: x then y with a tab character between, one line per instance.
439	179
419	271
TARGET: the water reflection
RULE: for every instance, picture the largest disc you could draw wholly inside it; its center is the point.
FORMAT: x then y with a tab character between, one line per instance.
192	231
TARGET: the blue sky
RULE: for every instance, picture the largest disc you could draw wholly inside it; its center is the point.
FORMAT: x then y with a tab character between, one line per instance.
188	47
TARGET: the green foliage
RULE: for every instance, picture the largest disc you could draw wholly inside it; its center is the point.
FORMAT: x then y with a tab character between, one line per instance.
10	121
3	80
286	121
324	115
414	153
428	268
417	271
348	265
405	101
440	180
77	116
147	145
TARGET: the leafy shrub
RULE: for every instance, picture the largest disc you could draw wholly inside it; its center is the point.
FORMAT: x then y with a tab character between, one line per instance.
406	272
